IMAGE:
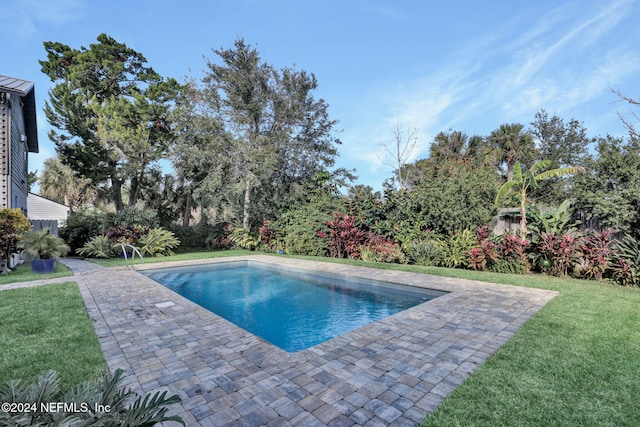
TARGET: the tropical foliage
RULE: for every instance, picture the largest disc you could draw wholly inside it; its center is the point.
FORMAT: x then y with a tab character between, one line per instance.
104	403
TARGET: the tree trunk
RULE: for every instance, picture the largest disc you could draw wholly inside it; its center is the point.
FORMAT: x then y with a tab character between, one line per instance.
247	205
116	193
186	215
523	213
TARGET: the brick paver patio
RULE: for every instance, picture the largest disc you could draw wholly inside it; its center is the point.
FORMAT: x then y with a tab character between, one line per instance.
392	372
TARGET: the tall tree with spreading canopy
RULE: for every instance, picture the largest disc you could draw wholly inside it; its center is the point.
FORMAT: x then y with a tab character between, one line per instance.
252	137
565	144
109	111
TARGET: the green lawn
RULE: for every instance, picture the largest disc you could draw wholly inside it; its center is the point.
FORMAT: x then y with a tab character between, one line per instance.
23	273
47	327
115	262
576	362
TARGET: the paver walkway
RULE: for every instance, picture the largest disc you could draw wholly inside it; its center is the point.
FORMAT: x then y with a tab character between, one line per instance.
392	372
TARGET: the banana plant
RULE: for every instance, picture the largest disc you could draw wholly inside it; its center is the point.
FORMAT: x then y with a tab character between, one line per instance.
523	180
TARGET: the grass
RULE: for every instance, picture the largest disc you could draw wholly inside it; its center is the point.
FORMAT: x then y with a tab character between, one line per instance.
576	362
47	327
23	273
116	262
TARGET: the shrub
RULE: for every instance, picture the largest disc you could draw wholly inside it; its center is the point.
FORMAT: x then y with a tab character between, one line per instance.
595	250
268	235
98	247
12	225
560	252
380	249
484	253
220	236
133	216
130	234
107	393
625	261
514	249
456	247
43	245
243	239
83	225
344	239
426	252
158	242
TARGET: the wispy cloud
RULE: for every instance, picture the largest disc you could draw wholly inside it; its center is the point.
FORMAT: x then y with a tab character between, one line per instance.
22	18
564	60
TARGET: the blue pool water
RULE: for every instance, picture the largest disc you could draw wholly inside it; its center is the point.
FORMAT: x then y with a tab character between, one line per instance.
291	308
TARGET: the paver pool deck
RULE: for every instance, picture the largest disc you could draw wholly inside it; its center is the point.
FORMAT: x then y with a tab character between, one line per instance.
391	372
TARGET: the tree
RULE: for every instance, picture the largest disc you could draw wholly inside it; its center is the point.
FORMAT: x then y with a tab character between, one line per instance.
510	145
610	192
564	144
457	145
252	137
397	155
523	180
109	111
61	184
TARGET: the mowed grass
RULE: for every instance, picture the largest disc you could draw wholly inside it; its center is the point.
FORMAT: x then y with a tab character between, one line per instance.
47	327
575	363
23	273
117	262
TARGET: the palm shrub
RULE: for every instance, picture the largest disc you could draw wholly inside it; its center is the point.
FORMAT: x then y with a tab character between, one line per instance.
43	245
158	242
243	239
98	247
625	261
102	403
427	252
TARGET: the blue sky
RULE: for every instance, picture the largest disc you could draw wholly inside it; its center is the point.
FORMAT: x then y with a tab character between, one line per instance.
425	65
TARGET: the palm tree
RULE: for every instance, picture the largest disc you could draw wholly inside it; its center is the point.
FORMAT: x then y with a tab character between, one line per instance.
511	145
458	146
523	180
60	183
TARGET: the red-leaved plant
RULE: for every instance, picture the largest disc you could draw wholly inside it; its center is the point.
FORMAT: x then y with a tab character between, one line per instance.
344	238
596	249
485	252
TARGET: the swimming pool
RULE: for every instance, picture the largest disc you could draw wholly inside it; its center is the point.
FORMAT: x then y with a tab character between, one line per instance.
293	309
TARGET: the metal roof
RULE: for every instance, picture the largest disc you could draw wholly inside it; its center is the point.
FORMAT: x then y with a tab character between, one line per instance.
15	86
25	90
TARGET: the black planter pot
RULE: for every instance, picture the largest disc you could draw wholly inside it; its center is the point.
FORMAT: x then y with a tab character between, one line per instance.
43	265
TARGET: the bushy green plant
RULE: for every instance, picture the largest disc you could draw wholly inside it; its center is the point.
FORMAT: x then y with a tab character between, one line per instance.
13	224
158	242
98	247
625	261
104	403
83	225
43	245
506	266
557	221
456	247
134	216
427	252
244	239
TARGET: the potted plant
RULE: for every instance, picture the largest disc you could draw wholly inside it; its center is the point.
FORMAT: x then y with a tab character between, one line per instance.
44	248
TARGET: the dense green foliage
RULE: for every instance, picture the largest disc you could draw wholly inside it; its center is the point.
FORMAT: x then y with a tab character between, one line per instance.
251	137
107	403
43	245
109	112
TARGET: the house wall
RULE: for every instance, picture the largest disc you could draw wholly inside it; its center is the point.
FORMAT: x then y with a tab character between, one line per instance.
5	126
13	153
